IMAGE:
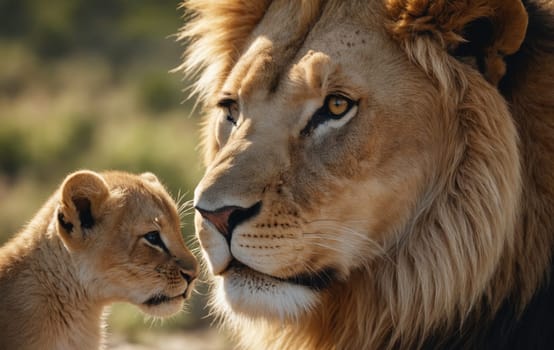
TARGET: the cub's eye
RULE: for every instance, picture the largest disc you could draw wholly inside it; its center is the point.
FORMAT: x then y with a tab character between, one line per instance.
231	109
337	110
154	239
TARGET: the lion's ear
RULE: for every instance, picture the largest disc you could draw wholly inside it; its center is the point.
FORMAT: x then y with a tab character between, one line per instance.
82	195
486	30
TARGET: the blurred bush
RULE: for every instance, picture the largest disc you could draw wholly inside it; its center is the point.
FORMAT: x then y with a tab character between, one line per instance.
85	84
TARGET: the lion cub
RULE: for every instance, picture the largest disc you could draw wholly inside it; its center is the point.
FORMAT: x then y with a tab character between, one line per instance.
101	238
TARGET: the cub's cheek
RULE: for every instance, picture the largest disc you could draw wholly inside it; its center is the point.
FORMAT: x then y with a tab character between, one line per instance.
215	248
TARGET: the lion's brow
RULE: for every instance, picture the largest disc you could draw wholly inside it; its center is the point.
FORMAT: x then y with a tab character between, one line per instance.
286	48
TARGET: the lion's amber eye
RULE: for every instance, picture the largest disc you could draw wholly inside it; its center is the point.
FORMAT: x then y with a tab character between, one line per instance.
337	105
335	108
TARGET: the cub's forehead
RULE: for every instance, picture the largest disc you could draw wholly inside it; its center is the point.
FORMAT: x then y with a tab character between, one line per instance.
151	206
137	196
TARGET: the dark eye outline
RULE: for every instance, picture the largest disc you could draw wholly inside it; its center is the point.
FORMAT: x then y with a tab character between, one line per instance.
323	114
228	104
155	239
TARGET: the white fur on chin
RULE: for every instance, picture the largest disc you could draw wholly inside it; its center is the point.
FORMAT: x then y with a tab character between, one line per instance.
254	295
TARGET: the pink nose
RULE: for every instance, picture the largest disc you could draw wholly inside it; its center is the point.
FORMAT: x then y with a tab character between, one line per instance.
219	218
225	219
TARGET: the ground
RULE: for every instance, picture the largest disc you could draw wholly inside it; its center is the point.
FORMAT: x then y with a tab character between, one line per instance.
206	339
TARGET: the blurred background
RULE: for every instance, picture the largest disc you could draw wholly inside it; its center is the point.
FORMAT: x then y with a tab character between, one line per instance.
86	84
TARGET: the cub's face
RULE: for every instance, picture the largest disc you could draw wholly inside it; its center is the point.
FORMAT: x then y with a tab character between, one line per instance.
131	248
315	162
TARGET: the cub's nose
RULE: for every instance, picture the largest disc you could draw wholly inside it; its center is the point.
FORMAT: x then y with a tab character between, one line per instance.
225	219
188	269
188	276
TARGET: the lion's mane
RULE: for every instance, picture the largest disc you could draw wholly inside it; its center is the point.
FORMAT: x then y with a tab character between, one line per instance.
475	269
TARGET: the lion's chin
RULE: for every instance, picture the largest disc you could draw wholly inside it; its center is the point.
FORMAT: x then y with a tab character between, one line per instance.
248	293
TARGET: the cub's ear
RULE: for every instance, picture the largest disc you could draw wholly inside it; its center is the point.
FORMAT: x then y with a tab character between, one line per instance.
82	195
150	177
486	30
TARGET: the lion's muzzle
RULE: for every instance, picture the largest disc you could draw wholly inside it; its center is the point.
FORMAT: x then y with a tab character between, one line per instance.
225	219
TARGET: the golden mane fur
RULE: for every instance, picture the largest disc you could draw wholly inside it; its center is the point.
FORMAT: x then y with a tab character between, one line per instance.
480	232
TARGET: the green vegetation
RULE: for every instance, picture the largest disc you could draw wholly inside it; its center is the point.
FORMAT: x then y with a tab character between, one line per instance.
86	84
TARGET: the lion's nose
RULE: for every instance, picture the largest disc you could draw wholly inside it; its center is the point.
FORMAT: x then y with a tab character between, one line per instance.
225	219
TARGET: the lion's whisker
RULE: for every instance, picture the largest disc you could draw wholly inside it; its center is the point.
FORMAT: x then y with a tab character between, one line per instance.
326	229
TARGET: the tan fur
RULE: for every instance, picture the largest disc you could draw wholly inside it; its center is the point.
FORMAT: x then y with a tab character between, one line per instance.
418	204
59	272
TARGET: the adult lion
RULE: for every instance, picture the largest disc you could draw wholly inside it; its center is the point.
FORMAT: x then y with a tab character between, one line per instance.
380	174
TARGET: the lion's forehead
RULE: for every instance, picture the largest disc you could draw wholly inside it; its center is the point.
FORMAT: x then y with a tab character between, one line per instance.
297	66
